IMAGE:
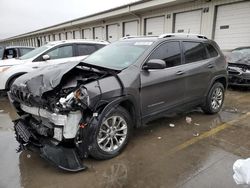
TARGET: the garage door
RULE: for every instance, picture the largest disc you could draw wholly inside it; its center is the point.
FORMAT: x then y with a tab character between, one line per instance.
233	25
112	33
57	37
130	28
63	37
98	33
188	22
69	35
77	35
155	26
86	34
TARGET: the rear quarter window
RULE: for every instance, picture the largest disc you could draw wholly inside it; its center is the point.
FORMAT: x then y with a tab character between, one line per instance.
194	51
211	50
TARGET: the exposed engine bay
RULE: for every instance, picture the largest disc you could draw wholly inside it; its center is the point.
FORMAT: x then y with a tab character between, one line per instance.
56	113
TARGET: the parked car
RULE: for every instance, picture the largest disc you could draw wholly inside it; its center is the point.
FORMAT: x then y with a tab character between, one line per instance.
51	53
239	67
13	52
90	108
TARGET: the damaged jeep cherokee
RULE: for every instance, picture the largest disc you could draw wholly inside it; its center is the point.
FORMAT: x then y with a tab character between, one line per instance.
70	111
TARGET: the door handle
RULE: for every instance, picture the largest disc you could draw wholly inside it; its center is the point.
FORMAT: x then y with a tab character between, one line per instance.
180	73
210	66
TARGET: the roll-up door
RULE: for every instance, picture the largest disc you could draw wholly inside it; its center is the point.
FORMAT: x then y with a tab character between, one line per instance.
130	28
232	28
155	26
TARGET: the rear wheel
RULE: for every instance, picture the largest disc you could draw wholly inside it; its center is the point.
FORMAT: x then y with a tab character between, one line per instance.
112	134
214	99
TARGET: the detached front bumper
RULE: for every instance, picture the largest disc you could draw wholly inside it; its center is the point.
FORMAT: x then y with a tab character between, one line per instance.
62	157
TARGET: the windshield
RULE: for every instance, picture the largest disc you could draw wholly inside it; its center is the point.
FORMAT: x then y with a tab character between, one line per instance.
1	52
239	56
35	52
118	55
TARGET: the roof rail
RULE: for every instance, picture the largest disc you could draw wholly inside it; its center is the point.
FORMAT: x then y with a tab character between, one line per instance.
186	35
140	36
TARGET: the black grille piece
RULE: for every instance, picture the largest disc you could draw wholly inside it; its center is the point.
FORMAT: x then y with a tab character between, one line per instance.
22	131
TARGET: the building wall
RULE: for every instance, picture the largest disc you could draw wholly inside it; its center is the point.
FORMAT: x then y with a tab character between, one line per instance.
138	12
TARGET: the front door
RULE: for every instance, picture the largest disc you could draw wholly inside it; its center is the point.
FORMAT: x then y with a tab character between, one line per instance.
164	88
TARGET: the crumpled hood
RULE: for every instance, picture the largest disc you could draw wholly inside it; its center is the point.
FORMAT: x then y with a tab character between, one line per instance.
44	79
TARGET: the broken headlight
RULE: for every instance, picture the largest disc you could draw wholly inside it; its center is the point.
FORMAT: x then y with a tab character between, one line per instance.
79	97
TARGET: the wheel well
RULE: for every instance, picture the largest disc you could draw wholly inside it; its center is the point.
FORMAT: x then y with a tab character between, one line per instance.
129	106
223	81
11	79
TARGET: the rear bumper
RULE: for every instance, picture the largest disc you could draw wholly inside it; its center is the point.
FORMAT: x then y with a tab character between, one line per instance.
59	156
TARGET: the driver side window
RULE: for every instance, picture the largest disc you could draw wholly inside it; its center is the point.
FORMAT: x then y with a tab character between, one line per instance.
170	52
61	52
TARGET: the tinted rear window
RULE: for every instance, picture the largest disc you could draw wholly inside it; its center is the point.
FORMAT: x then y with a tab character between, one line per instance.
24	51
211	50
194	51
85	49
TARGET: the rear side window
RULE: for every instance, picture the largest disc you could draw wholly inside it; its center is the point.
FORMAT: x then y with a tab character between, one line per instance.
194	51
24	51
85	49
211	50
169	52
61	52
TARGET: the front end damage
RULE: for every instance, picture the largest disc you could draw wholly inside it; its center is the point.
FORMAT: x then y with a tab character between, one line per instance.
239	74
59	120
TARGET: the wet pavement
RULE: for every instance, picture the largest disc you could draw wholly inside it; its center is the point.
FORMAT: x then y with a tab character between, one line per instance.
194	152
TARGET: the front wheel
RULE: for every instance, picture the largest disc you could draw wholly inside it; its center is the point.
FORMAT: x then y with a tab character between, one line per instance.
214	99
112	134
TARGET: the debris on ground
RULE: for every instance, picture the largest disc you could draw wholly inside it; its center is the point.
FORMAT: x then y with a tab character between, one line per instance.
189	120
28	156
171	125
197	124
159	137
241	169
196	134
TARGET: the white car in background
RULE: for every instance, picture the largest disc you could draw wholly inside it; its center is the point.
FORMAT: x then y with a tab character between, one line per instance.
51	53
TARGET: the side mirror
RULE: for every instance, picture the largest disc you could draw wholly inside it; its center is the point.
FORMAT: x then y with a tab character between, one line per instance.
154	64
46	57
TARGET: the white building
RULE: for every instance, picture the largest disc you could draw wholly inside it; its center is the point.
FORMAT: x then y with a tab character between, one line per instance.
225	21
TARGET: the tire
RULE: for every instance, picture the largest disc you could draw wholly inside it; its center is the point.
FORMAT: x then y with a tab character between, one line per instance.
11	82
214	99
101	148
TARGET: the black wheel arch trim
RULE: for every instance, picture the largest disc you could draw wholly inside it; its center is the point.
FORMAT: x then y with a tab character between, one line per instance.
214	80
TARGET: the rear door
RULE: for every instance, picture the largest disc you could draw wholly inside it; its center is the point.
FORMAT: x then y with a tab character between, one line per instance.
198	69
164	88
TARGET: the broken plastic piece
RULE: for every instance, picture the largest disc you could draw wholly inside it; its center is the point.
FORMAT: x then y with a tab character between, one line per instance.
159	137
172	125
241	169
196	134
64	158
197	124
189	120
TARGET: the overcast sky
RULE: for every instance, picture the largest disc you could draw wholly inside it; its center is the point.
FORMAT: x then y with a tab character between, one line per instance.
21	16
